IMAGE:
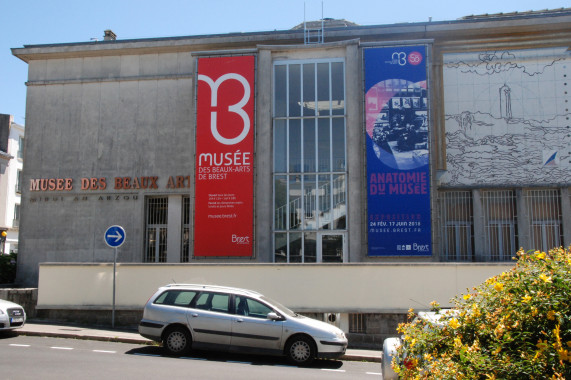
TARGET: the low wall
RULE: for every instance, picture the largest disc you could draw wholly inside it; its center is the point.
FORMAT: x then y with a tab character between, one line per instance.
25	297
339	288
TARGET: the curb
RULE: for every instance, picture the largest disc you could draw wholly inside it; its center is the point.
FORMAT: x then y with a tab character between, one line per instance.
361	358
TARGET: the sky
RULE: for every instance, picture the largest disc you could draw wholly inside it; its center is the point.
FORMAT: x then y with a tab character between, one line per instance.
31	22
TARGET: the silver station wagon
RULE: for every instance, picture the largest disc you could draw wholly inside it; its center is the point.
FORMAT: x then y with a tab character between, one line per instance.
183	316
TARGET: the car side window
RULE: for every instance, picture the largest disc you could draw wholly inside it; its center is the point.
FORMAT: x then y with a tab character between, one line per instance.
217	302
220	303
203	301
176	298
251	308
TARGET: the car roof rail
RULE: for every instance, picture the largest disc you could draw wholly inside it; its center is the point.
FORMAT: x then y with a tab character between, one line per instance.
204	286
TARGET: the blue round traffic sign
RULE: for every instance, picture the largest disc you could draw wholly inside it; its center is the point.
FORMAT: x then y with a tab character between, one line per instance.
115	236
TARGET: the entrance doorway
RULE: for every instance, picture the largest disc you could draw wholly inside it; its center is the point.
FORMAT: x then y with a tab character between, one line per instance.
331	247
311	247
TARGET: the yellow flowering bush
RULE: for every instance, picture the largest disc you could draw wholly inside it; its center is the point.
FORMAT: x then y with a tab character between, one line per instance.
516	325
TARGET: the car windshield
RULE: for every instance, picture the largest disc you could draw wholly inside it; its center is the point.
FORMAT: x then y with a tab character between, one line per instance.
438	319
279	306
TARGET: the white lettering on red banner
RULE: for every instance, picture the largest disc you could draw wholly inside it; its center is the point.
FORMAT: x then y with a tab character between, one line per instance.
223	223
237	108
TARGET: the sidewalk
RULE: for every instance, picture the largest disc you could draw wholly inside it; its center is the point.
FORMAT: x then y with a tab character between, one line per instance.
36	328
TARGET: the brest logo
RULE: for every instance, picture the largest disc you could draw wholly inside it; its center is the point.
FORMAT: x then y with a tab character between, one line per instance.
236	108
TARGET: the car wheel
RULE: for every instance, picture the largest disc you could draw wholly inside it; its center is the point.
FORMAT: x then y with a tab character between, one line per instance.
177	340
300	350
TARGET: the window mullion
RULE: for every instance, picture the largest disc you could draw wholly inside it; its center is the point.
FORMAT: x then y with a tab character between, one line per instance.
287	90
330	180
330	90
316	152
287	205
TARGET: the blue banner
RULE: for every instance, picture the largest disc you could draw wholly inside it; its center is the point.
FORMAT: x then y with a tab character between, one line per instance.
398	175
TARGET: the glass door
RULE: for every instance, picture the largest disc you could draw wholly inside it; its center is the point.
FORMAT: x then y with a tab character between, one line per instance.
331	247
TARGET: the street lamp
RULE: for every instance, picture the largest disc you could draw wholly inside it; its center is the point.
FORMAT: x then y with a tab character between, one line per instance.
3	235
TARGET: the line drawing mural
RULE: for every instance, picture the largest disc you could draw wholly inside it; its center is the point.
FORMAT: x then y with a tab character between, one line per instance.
507	118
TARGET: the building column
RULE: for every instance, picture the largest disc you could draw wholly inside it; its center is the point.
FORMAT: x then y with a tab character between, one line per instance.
356	213
263	164
522	220
480	249
566	216
174	227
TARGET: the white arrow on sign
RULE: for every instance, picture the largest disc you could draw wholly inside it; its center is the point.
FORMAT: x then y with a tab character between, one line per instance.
117	237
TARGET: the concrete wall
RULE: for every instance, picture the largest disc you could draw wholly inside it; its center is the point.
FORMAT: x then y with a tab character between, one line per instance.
101	117
352	288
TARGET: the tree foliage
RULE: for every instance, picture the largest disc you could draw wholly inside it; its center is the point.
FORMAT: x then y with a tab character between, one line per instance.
7	268
516	325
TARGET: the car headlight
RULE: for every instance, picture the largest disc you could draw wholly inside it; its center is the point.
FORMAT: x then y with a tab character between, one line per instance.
1	312
340	335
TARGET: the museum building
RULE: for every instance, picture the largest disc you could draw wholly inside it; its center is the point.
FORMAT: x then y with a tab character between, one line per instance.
330	143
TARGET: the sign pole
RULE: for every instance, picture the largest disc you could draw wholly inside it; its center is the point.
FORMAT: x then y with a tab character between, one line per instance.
114	279
114	237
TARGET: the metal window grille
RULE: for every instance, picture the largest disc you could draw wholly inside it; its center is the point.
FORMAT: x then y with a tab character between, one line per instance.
457	225
500	224
156	229
357	323
545	218
185	243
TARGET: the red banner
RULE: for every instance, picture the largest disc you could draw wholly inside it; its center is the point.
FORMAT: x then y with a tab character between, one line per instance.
224	192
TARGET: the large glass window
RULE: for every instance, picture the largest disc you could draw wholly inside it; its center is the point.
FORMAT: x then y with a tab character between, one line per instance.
310	179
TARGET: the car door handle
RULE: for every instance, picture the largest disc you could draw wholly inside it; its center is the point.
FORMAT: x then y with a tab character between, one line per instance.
194	315
239	320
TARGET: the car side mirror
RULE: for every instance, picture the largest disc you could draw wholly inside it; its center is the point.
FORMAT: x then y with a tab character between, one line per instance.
274	316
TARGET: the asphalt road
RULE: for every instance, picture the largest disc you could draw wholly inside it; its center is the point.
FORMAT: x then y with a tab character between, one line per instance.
29	357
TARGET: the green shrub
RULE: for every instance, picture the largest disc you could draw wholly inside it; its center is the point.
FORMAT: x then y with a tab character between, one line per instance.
516	325
8	268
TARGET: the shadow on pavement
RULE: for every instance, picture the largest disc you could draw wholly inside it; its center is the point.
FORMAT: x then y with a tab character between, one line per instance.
259	360
8	334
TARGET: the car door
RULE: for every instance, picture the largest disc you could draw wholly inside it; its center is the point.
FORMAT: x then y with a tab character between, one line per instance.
210	320
251	328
